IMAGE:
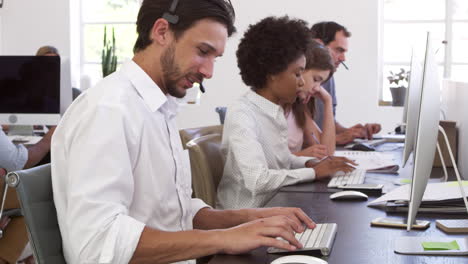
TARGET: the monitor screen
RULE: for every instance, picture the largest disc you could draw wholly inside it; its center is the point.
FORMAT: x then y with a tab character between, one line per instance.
30	89
412	104
427	132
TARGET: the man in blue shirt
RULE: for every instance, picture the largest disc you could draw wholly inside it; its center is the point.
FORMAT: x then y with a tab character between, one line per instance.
335	37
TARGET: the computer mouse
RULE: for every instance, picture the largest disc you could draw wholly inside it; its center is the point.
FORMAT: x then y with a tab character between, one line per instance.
363	147
298	259
348	195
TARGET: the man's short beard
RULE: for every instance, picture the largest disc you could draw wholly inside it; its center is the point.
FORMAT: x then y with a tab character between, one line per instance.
171	72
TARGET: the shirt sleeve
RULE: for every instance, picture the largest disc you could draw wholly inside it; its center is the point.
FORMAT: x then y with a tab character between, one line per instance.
249	161
100	188
12	157
197	205
332	92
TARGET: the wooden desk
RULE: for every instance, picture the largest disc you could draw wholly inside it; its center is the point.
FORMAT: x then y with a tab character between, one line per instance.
356	241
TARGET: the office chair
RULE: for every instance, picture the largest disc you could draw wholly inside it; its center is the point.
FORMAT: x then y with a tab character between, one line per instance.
75	93
221	110
207	164
13	236
34	189
191	133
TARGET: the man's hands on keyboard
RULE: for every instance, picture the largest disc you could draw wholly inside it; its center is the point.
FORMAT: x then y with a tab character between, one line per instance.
261	232
297	215
331	165
320	238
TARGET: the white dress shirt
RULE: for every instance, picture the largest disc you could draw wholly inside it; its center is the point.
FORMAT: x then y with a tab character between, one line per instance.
12	157
258	160
118	166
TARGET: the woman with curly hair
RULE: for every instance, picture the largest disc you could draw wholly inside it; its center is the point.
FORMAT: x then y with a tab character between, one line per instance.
271	59
305	137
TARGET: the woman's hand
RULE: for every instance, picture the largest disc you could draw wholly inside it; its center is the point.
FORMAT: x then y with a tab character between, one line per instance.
322	95
318	150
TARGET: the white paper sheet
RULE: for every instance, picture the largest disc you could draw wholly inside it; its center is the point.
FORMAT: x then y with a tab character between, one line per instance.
371	160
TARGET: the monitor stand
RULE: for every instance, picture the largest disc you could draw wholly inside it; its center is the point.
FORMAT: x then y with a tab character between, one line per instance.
20	130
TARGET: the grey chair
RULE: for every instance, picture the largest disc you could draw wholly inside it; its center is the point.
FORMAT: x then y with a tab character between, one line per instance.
34	189
188	134
221	110
207	164
75	93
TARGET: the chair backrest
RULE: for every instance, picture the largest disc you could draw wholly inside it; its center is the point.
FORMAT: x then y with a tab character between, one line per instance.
191	133
221	110
207	163
34	189
75	93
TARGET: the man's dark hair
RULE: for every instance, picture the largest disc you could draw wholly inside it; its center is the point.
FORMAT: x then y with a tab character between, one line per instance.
188	12
268	48
326	31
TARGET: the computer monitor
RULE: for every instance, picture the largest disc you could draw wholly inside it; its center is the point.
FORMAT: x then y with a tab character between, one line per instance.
30	90
412	104
427	131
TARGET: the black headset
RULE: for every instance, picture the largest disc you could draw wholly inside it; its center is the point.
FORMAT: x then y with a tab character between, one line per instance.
172	18
170	15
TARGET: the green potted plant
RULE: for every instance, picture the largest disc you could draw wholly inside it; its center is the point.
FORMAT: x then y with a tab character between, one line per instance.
398	84
108	57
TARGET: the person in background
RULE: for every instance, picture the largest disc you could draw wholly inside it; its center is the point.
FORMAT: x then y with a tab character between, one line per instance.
271	59
335	37
47	51
121	180
15	157
53	51
304	136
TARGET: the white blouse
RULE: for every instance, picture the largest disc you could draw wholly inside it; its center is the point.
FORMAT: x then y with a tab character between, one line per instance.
258	161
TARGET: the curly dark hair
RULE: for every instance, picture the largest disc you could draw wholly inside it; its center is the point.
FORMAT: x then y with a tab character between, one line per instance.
268	47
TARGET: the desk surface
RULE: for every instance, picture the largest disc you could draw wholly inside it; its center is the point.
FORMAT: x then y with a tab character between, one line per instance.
356	241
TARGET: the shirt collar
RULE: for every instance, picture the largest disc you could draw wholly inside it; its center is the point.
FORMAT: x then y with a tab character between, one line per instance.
150	92
269	108
171	107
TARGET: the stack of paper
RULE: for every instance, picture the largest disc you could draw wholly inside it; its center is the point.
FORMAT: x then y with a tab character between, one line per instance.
441	197
372	161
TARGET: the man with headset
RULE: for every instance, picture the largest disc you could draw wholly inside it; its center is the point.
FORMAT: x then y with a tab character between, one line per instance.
335	37
121	180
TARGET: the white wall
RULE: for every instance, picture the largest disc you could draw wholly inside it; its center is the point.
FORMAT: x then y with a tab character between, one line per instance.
455	107
27	25
357	89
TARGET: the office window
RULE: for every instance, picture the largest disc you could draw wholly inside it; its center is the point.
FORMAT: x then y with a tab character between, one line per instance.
121	15
404	25
118	14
